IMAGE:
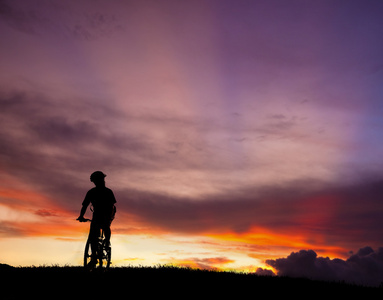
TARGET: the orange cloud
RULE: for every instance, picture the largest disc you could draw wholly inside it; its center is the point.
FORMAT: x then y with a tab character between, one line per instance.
211	263
53	228
14	197
264	241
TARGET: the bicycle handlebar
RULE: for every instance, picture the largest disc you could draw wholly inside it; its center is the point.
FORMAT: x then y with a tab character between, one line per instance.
84	220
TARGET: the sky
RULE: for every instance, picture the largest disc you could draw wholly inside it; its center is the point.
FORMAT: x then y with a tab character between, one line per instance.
235	135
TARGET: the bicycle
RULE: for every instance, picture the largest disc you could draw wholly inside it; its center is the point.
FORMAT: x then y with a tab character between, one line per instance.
103	255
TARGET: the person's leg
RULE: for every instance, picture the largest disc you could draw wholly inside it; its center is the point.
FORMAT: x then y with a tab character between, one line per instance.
107	234
93	235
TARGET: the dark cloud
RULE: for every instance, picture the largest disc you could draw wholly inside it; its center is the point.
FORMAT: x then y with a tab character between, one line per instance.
46	213
365	267
36	122
278	117
19	18
78	22
264	272
48	141
95	25
9	229
344	216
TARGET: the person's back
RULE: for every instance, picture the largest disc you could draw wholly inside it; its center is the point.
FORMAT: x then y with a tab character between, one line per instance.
102	200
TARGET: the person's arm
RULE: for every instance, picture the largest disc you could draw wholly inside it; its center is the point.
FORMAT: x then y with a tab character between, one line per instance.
82	213
85	204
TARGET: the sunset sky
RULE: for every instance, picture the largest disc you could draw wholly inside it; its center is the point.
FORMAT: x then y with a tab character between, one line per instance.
231	132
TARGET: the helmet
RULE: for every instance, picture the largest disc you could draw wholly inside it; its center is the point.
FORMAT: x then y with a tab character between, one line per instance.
97	175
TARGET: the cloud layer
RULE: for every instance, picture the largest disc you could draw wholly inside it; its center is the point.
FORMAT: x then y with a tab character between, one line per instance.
168	185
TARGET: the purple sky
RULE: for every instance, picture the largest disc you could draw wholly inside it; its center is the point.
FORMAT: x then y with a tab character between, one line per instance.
252	122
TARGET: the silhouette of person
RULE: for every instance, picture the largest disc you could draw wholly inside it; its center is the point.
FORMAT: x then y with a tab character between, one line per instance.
103	200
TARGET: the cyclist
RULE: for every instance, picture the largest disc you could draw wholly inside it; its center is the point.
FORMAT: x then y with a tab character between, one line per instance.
103	200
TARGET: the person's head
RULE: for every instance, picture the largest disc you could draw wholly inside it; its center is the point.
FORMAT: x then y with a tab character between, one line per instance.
98	178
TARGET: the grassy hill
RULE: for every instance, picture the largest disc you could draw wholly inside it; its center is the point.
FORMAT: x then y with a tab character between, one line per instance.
167	282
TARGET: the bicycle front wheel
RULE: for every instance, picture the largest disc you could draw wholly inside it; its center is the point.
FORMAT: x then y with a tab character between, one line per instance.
87	253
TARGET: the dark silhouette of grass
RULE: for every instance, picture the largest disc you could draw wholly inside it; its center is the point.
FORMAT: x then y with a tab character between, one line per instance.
161	281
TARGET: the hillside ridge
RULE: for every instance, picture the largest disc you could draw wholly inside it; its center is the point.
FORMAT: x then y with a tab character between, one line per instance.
170	281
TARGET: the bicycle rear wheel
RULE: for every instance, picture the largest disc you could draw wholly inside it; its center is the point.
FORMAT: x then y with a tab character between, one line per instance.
105	255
